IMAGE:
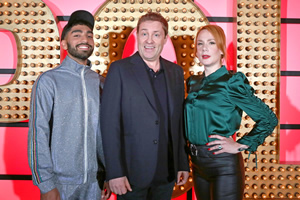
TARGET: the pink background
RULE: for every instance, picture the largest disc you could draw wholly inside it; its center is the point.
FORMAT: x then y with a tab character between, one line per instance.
13	141
289	85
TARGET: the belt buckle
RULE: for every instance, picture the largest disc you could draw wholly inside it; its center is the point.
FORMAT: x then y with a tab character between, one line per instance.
194	150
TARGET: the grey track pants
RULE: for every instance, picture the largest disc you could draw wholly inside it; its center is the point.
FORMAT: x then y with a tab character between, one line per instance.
87	191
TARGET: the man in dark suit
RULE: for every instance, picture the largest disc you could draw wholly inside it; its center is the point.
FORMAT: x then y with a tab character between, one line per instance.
141	119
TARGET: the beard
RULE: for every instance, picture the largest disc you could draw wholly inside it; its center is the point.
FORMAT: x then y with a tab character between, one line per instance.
83	55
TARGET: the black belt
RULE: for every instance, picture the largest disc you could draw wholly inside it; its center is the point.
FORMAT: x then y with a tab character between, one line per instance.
202	151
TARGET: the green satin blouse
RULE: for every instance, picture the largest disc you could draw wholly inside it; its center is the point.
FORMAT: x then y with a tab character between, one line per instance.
215	105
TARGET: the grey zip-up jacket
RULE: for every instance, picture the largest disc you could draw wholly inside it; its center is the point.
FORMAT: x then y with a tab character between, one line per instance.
64	141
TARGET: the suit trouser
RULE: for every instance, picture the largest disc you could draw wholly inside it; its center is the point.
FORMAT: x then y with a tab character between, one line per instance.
153	192
218	177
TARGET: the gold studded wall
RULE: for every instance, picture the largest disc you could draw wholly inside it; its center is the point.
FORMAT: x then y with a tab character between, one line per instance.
258	50
258	57
37	38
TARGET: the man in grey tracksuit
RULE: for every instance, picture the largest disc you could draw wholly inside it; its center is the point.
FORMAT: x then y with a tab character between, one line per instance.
64	140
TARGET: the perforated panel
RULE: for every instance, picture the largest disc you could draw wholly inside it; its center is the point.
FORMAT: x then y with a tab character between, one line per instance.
258	57
37	39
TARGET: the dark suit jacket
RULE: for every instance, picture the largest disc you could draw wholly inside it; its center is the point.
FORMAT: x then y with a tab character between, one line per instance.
130	120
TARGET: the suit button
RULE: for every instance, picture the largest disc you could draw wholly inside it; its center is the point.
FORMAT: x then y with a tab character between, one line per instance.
155	141
156	122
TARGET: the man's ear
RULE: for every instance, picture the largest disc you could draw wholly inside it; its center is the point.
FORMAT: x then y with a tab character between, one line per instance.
64	45
166	39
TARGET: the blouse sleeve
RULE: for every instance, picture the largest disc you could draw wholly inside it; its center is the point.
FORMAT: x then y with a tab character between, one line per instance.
242	95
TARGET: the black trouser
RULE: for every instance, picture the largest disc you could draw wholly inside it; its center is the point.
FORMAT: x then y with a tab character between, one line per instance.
218	177
153	192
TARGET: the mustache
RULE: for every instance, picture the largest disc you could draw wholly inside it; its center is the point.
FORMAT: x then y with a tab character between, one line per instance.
83	44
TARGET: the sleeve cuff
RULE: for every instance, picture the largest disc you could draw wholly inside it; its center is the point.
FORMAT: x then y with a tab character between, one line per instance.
47	186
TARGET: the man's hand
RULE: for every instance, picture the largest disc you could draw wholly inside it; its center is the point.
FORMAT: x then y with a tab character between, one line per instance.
120	185
51	195
106	192
182	177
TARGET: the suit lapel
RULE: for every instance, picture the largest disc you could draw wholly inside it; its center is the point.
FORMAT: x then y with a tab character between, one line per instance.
170	81
143	78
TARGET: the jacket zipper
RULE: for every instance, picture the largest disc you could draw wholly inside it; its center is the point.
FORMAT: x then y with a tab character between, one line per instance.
85	125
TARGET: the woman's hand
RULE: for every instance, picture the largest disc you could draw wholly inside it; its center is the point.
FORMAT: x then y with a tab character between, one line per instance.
225	145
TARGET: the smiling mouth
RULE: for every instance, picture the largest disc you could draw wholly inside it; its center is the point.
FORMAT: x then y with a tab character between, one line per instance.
84	46
147	47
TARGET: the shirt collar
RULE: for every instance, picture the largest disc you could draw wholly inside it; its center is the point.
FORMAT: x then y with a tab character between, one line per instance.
217	74
73	64
161	70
